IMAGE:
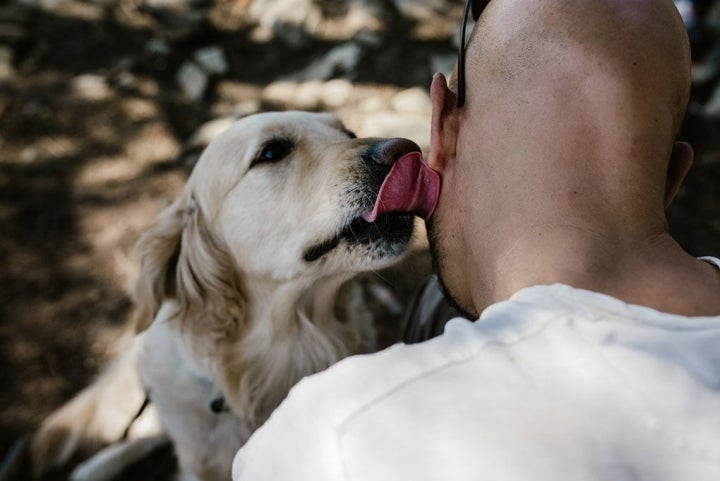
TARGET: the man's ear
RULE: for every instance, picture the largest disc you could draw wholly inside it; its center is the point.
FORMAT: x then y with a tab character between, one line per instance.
681	160
443	123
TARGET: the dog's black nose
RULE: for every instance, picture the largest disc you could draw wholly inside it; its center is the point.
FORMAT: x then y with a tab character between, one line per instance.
388	151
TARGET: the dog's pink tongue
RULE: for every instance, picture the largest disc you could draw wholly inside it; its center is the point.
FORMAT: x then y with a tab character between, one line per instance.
411	187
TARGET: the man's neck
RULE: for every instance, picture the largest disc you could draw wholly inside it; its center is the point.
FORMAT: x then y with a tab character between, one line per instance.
653	271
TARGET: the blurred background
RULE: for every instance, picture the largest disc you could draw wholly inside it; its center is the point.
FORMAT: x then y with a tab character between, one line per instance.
106	104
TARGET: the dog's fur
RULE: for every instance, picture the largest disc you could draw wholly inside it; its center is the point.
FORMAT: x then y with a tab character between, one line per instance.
238	296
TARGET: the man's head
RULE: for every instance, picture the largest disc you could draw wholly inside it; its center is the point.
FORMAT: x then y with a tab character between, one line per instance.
570	114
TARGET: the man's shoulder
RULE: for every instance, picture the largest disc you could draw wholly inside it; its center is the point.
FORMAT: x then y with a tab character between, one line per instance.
358	380
320	406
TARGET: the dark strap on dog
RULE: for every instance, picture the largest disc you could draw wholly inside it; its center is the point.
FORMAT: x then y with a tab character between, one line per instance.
145	404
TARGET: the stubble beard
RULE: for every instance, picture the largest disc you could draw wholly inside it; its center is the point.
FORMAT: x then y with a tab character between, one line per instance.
439	259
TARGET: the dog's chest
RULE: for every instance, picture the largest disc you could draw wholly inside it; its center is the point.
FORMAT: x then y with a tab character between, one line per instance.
205	440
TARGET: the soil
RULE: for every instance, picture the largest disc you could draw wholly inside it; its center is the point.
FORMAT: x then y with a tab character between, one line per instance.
84	168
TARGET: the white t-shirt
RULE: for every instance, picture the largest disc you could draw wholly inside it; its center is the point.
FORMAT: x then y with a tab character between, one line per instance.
555	384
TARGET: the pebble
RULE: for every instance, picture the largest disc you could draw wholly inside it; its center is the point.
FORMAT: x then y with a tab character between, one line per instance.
413	100
6	63
712	106
192	80
91	87
340	61
212	60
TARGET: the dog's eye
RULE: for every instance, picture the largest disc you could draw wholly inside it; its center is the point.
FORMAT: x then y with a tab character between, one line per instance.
273	151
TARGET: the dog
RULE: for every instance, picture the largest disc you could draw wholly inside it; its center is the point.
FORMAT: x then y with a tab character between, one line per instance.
245	287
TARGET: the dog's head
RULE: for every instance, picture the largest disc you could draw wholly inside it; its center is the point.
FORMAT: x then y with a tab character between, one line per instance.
286	192
278	196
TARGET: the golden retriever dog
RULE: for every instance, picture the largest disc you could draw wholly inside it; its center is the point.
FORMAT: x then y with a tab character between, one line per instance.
238	295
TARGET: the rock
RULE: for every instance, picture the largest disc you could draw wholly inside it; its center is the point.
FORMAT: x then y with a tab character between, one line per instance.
292	95
290	34
120	75
229	16
712	106
192	80
368	39
371	104
394	124
180	26
158	46
406	114
246	107
704	73
414	100
362	17
296	21
340	61
29	155
176	19
707	70
421	10
208	131
308	95
233	98
336	93
212	60
91	87
305	14
86	11
139	110
125	80
6	63
280	92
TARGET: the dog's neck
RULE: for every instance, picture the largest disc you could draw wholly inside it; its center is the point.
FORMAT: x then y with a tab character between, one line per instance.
282	301
290	331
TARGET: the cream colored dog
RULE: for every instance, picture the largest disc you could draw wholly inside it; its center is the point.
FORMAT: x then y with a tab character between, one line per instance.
238	295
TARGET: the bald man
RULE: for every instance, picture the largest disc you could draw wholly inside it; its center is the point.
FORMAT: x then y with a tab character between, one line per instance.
595	353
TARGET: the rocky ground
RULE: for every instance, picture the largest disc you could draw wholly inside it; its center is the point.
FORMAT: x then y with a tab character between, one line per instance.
105	105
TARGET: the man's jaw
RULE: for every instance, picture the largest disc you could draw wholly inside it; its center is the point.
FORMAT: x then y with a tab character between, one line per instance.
439	259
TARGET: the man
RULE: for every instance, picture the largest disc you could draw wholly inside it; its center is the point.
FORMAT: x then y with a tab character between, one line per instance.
596	354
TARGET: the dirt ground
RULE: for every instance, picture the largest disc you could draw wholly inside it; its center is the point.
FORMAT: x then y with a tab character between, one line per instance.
93	143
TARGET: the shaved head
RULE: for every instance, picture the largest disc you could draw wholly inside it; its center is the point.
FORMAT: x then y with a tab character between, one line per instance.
641	45
571	111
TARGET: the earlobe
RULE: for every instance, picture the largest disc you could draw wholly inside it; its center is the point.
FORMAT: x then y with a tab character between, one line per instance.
443	123
681	160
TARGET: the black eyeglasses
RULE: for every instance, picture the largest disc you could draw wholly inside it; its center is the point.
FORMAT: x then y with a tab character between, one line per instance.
477	7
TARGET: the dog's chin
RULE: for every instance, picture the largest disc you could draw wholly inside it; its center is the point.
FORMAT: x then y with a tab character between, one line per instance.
370	243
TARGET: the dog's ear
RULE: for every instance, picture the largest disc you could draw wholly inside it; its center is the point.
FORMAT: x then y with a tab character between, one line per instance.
207	283
158	248
183	260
